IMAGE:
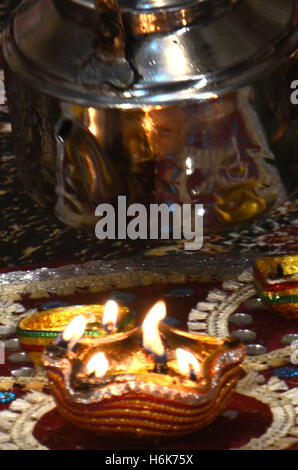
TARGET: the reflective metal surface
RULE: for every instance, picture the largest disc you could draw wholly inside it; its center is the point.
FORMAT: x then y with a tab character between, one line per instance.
255	349
23	372
19	358
244	335
175	102
254	304
240	319
12	344
6	331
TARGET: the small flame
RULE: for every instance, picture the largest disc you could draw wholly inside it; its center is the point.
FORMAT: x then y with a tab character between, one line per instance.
92	126
98	364
109	320
75	329
151	337
187	363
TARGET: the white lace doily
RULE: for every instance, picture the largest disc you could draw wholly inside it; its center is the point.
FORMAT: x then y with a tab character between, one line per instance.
211	317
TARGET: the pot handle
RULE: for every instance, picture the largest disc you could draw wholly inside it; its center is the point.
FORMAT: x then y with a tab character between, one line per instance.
85	175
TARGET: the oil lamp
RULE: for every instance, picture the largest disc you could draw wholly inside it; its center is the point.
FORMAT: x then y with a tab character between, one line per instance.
42	328
151	381
276	281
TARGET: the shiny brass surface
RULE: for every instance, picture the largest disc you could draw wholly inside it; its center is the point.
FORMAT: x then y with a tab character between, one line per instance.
152	108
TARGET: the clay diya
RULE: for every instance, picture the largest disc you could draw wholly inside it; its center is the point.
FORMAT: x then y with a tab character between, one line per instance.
38	330
151	382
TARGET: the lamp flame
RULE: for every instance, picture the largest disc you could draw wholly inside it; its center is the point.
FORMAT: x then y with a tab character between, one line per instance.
74	330
187	363
97	365
151	338
109	320
92	117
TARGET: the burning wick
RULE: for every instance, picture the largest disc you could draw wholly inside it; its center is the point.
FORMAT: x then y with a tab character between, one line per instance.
72	333
109	320
97	365
188	364
152	342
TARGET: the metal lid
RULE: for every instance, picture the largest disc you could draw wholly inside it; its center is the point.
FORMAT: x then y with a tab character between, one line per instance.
139	5
178	50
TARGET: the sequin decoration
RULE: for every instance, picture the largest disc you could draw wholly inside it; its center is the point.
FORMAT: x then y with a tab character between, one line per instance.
180	293
23	372
255	349
6	331
244	335
240	319
122	296
7	397
286	372
253	304
289	338
54	304
230	414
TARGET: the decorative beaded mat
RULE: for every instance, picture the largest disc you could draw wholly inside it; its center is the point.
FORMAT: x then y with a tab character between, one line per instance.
30	235
263	413
205	293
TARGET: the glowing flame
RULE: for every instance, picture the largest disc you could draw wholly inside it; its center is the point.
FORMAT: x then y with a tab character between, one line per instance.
151	337
176	59
97	365
187	363
92	126
75	330
109	320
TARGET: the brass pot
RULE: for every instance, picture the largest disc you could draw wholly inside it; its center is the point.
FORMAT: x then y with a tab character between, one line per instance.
174	101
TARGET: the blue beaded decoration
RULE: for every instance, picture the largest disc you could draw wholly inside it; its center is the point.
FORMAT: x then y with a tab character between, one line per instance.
286	372
7	397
